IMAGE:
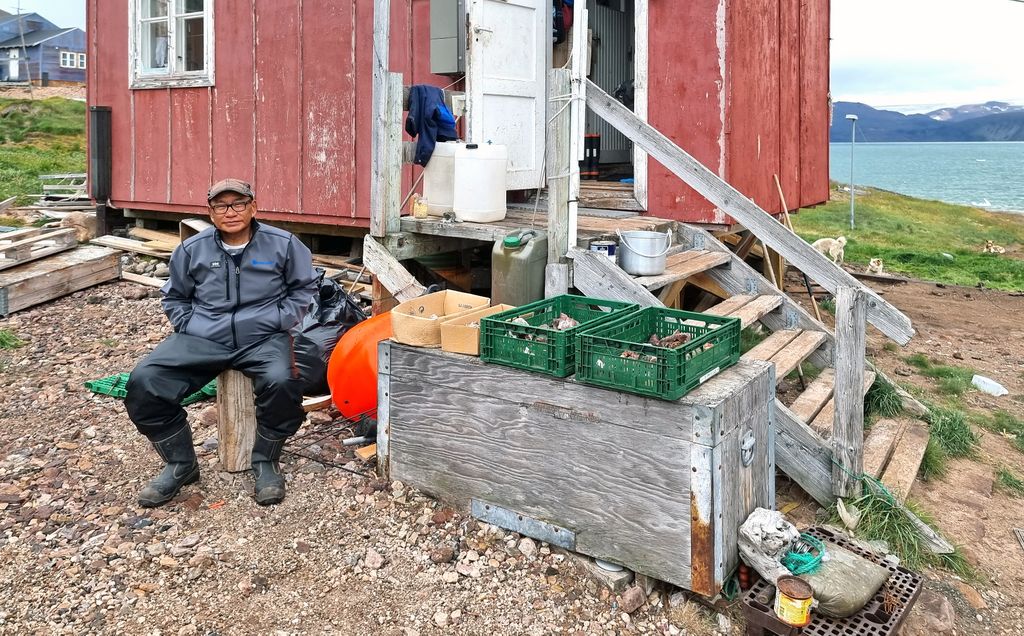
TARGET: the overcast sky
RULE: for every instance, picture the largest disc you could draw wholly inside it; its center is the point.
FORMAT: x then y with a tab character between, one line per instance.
64	13
919	55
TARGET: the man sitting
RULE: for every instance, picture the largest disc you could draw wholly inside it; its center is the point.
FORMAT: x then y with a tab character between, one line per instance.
234	291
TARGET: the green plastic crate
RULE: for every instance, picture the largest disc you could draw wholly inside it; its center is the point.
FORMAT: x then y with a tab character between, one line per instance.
115	386
660	372
544	350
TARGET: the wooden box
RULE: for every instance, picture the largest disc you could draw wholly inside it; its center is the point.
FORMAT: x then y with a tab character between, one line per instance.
659	487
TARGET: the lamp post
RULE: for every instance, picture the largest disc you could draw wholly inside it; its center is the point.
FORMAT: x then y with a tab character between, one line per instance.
853	140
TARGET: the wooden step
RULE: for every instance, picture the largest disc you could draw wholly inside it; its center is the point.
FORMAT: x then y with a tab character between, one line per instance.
902	469
683	265
749	309
809	403
824	419
787	349
879	444
796	352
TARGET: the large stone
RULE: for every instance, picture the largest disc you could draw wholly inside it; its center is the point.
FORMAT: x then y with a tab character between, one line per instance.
971	595
632	599
932	615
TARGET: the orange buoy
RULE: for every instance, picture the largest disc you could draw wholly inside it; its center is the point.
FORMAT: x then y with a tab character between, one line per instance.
352	369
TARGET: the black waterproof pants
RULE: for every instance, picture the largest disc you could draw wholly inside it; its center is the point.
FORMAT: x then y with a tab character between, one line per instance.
182	364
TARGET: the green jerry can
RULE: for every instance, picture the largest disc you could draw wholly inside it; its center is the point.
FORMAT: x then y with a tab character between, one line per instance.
517	268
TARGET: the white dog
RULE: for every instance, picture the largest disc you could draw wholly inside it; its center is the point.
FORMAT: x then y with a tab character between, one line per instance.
875	266
833	248
992	248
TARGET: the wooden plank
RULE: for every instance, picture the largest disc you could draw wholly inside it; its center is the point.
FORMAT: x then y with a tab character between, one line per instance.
559	165
149	281
848	424
131	245
796	352
317	403
880	443
44	250
803	455
236	421
773	344
22	249
815	396
757	309
694	264
56	276
730	305
169	239
883	315
366	452
823	421
902	469
389	272
740	278
595	275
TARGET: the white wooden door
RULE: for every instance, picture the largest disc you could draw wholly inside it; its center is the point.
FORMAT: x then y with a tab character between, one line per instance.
509	45
12	72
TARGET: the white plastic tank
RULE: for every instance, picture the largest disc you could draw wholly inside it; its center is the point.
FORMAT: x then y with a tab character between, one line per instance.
480	183
439	178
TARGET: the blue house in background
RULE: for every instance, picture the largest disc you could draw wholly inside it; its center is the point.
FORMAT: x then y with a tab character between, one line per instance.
34	49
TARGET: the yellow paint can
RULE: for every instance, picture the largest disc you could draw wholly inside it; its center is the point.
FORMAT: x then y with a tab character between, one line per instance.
793	601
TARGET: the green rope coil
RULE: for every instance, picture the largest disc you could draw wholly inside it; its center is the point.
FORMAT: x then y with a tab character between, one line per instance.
805	562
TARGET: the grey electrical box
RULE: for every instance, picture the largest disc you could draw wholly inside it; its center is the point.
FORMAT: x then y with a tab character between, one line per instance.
448	37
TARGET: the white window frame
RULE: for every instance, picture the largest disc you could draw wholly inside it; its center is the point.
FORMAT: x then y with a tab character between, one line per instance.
81	60
68	59
139	78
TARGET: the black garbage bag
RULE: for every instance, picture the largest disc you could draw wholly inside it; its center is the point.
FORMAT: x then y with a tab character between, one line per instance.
332	312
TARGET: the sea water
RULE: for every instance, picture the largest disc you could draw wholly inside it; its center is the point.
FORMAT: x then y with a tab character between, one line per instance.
988	175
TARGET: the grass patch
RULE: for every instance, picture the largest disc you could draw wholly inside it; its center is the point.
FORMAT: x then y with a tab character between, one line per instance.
950	380
882	399
910	236
882	519
828	305
9	339
750	338
950	429
11	221
39	137
934	463
1009	483
891	347
1003	423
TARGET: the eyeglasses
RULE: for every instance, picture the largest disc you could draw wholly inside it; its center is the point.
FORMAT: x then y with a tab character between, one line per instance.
222	208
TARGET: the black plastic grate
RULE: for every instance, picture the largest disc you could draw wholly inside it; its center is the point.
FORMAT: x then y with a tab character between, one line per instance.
882	615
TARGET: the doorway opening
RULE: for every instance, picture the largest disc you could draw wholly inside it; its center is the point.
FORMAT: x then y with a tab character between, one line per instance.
607	176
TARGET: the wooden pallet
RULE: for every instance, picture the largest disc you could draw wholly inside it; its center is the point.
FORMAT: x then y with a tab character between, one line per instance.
149	248
57	276
23	246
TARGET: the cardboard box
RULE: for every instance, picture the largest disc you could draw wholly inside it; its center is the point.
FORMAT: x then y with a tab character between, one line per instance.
417	322
458	336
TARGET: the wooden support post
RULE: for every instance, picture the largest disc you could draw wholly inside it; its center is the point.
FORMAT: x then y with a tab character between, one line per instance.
236	421
883	315
559	164
848	427
386	147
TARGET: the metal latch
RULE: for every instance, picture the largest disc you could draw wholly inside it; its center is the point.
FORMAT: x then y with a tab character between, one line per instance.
747	448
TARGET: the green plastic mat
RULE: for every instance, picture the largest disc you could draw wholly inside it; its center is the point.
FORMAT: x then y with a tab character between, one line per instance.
115	386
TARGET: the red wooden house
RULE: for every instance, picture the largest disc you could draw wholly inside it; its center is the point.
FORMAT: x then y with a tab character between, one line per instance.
279	92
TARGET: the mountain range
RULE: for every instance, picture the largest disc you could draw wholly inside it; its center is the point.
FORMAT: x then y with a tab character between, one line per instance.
991	121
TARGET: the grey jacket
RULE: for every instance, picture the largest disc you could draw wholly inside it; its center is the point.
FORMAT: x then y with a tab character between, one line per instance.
209	296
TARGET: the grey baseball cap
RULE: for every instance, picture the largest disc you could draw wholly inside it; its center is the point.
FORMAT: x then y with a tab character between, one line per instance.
230	185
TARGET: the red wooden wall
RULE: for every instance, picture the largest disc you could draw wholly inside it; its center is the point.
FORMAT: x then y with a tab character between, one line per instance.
290	110
742	85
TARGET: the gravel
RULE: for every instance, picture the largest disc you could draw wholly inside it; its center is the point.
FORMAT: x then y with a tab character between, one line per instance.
342	554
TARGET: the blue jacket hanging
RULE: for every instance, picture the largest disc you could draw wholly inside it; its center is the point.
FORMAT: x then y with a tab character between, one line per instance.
429	121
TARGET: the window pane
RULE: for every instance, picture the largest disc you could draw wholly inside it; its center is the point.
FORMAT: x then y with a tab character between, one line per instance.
154	8
81	60
154	46
190	6
190	44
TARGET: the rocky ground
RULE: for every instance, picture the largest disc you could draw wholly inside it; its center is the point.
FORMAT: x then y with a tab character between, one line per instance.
343	554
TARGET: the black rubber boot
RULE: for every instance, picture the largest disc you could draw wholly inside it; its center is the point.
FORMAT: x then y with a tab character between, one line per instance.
269	487
182	469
